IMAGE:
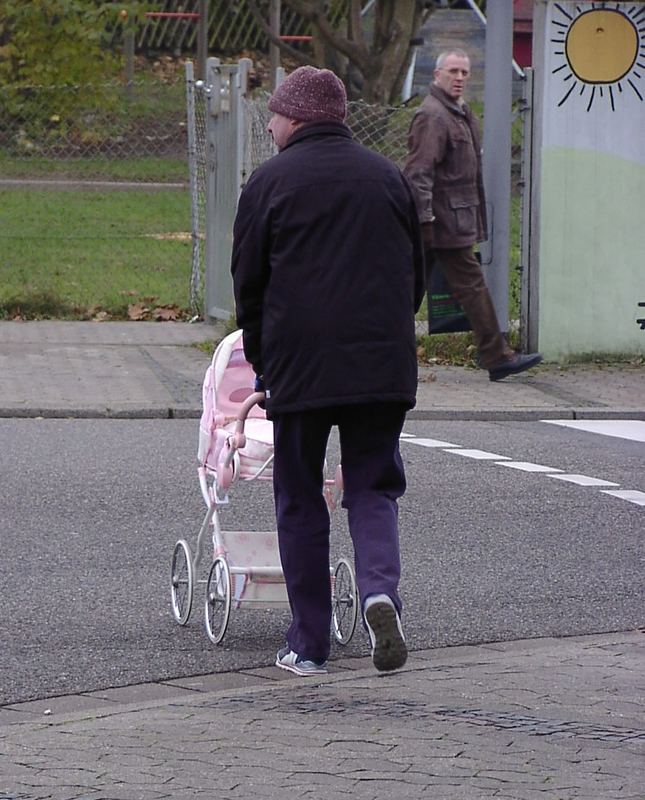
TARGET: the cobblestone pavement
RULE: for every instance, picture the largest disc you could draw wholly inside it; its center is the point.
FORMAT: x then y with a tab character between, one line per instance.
540	718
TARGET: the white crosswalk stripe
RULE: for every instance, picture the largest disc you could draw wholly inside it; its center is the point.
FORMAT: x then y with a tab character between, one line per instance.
480	455
633	429
631	495
527	466
625	429
434	443
583	480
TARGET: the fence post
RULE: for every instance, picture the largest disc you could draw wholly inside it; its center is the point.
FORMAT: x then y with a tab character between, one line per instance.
497	152
193	185
224	179
128	52
214	83
274	50
528	292
202	39
244	67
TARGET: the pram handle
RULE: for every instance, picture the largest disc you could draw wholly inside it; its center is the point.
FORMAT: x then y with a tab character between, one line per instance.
239	439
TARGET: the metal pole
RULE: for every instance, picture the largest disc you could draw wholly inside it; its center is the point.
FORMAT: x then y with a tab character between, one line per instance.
195	273
244	129
540	38
498	88
274	50
527	342
214	83
202	39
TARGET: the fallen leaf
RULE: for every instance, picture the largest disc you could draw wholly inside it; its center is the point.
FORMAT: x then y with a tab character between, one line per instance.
166	313
138	311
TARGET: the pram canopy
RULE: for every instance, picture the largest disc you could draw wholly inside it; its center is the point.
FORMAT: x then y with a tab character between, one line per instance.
228	382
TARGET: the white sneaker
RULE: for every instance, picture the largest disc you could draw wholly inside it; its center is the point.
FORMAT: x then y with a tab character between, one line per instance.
287	659
386	635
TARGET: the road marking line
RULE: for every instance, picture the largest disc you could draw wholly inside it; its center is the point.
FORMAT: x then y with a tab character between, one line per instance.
432	443
631	495
526	466
627	429
583	480
632	429
481	455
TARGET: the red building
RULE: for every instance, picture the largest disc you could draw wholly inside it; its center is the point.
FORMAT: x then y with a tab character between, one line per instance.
522	32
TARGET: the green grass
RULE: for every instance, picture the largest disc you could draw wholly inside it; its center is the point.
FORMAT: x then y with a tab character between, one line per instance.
142	169
70	254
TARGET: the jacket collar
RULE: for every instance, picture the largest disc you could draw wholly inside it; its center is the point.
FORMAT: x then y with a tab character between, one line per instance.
319	129
446	100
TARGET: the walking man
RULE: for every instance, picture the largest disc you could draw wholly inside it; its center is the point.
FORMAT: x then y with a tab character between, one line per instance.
445	170
328	274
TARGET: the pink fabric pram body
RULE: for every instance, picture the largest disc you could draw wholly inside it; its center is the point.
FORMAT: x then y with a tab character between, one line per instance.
227	384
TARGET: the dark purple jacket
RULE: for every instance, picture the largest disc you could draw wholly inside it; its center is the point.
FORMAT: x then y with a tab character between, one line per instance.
328	273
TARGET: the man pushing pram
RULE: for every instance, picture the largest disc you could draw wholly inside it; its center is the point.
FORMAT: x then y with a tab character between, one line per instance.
328	274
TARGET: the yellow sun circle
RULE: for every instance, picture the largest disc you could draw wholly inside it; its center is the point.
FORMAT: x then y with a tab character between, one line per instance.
601	46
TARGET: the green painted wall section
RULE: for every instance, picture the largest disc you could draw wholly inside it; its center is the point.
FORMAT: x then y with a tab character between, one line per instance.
592	254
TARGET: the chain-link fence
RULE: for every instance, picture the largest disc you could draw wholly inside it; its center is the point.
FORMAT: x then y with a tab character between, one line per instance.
98	192
67	124
381	128
94	199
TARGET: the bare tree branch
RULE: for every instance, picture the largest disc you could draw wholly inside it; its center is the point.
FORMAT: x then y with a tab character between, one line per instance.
308	11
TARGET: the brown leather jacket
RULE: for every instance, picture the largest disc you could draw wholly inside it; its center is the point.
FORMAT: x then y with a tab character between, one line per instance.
444	169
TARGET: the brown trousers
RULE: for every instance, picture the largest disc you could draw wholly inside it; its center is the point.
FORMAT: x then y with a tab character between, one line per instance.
464	275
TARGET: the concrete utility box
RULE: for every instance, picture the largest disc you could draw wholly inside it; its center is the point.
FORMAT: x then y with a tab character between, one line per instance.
587	231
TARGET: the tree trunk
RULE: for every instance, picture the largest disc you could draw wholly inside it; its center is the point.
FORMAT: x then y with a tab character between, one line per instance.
372	69
397	23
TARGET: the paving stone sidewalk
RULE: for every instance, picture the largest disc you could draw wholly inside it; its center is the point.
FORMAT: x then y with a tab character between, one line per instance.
149	369
544	718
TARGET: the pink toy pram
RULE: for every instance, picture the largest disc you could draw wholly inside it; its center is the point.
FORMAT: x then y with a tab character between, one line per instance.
236	444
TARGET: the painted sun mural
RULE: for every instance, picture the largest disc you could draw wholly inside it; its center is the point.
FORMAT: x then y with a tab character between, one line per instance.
602	46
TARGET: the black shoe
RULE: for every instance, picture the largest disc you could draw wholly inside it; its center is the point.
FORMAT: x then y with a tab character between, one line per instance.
513	365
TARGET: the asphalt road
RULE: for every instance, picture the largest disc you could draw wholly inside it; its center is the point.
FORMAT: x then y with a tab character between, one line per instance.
90	511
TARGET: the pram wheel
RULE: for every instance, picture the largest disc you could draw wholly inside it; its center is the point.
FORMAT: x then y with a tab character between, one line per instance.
217	609
181	582
344	601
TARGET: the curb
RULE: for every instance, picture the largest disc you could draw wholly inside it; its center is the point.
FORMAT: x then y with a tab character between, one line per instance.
436	415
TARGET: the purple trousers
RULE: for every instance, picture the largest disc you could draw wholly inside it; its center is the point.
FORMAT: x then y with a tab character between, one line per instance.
373	478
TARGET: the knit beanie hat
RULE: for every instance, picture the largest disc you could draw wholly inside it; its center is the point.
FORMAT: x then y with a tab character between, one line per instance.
310	95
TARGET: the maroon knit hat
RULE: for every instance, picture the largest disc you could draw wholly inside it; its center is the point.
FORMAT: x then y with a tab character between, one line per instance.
310	95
